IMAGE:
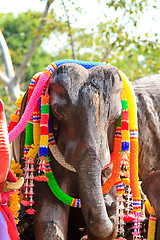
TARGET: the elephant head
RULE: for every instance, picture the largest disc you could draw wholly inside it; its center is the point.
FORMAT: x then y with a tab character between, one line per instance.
85	105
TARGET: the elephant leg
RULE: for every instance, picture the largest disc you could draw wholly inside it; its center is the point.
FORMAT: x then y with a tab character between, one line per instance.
151	187
51	218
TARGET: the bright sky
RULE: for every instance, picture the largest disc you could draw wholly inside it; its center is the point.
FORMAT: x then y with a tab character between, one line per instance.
89	19
18	6
91	7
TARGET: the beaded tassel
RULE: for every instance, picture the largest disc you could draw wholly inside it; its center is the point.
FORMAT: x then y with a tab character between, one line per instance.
137	226
120	207
128	211
129	203
28	143
28	187
26	177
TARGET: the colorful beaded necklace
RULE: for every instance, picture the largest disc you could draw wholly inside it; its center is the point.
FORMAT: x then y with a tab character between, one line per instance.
39	137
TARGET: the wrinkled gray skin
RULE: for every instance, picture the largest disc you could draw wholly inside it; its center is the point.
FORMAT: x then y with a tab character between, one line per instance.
85	105
147	92
148	101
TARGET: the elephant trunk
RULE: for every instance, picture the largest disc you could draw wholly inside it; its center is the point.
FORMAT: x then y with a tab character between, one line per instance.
4	147
93	205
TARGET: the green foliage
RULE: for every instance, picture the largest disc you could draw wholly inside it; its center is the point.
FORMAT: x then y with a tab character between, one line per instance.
19	32
116	39
9	105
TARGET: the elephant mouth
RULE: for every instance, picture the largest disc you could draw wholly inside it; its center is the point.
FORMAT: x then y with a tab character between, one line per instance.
105	174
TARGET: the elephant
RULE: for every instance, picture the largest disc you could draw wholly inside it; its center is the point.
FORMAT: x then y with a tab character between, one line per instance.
147	92
85	105
150	187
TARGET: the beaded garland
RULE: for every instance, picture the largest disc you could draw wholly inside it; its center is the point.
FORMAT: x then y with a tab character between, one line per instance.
132	129
123	143
133	143
151	225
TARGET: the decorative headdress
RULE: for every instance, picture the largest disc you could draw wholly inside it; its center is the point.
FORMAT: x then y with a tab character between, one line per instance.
39	136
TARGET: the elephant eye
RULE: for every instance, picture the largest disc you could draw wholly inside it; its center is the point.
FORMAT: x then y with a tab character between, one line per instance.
59	112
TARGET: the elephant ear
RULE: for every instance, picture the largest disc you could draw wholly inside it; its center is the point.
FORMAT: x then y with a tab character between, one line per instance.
151	188
18	143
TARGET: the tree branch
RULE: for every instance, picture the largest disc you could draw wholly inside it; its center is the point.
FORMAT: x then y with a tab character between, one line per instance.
13	89
93	45
7	59
70	31
109	50
4	78
22	67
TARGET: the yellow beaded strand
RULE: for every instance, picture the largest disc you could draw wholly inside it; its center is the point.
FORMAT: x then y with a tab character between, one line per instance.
151	225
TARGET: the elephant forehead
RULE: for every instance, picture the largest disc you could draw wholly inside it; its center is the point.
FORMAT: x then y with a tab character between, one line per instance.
71	77
105	78
103	82
74	78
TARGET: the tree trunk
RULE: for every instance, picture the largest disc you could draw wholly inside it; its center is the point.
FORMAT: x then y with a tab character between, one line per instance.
12	80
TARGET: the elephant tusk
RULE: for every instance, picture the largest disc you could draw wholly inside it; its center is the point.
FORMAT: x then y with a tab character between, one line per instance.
13	185
60	158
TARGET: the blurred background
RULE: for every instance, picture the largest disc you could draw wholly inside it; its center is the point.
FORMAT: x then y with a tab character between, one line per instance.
35	33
